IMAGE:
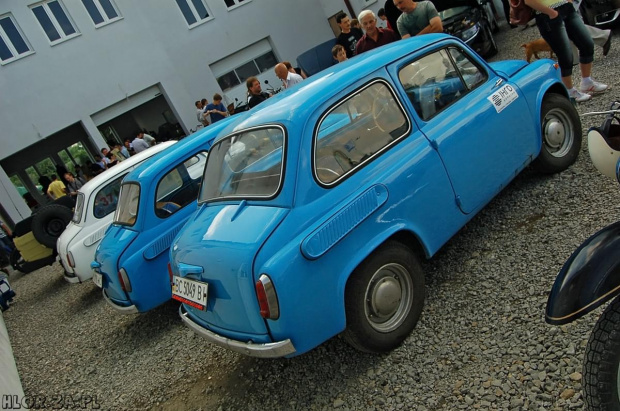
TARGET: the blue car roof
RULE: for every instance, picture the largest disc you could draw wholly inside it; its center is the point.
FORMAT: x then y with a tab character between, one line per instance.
305	97
203	137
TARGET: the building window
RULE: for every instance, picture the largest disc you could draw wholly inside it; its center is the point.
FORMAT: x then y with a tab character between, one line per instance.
241	73
55	21
234	3
13	45
101	11
194	11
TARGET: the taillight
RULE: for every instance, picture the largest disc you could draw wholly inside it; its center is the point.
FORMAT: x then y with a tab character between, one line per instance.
124	280
70	260
170	272
267	298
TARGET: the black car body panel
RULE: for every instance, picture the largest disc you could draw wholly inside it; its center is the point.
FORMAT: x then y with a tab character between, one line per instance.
470	21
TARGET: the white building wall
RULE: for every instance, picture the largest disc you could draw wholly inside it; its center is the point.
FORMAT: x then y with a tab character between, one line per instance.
66	83
151	46
332	7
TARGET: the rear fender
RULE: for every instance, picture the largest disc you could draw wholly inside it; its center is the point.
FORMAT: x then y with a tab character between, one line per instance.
589	278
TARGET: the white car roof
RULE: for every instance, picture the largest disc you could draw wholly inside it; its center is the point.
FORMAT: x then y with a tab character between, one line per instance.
109	174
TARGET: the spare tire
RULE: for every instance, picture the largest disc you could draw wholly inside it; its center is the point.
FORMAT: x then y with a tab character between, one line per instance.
49	222
67	201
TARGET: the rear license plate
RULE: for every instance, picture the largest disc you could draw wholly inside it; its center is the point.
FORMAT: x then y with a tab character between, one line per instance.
98	280
190	292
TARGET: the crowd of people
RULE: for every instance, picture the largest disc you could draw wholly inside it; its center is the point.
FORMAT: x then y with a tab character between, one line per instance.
67	183
55	187
116	153
410	18
208	113
558	21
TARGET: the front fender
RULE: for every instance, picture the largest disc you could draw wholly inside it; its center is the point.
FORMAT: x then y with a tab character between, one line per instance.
589	278
541	78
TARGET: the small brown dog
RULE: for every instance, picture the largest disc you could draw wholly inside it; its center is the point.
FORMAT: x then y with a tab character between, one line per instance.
534	47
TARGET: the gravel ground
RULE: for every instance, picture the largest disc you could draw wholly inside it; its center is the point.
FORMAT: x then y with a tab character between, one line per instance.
481	343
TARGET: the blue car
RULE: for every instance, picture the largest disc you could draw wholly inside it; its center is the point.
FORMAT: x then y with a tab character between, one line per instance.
131	262
319	205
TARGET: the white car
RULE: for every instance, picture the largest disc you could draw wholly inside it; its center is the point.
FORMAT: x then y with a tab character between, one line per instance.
94	211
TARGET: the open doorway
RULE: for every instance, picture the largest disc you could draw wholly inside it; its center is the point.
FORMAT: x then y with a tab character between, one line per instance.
153	117
31	168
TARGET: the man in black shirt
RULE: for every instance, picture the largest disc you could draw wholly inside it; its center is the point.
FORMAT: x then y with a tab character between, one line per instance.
255	92
349	36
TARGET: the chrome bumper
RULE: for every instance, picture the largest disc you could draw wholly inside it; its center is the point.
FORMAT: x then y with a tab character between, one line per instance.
132	309
69	277
268	350
72	279
609	20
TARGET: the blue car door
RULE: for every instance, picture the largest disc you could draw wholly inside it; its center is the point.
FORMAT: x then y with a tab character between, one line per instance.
478	122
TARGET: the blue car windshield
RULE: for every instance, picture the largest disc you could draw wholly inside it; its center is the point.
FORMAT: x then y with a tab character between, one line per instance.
248	165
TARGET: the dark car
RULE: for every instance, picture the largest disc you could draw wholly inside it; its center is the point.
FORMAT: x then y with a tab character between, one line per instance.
472	21
600	13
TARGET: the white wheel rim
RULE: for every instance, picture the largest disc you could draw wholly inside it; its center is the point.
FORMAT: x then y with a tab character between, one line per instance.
388	298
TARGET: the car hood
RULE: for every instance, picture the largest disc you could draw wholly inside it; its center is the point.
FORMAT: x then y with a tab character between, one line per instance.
442	5
220	243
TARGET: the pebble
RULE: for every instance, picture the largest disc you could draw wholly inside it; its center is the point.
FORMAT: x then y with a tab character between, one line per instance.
481	342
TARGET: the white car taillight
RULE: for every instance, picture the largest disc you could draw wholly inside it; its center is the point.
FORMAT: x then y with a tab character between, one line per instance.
267	298
124	279
70	260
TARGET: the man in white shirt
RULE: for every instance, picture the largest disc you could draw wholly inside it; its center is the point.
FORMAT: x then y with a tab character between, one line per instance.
150	140
288	79
139	144
200	113
104	156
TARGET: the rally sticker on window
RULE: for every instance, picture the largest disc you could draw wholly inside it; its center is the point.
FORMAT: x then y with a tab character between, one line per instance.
503	97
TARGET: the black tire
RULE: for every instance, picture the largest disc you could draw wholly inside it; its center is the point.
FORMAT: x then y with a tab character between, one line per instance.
392	273
561	134
602	361
5	257
493	50
67	201
17	261
494	25
49	223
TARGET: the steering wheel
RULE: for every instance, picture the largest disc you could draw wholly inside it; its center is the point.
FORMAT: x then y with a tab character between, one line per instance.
385	113
327	175
167	206
249	139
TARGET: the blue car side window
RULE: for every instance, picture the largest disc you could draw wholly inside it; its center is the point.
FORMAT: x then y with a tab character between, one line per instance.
179	187
437	80
356	130
472	74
